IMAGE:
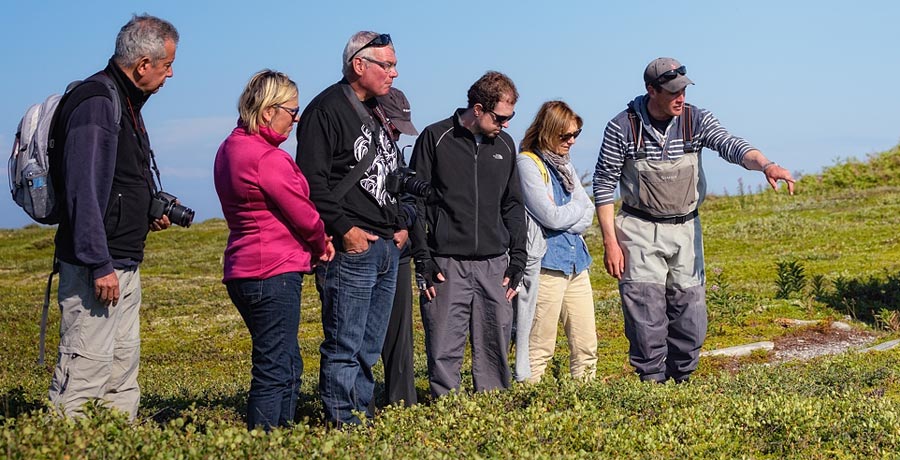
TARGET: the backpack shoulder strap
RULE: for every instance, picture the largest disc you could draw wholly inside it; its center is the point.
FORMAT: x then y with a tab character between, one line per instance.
540	164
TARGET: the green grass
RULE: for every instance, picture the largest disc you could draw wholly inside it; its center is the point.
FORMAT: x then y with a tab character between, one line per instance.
195	368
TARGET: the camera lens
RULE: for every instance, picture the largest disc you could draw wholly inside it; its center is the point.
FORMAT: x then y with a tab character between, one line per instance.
181	215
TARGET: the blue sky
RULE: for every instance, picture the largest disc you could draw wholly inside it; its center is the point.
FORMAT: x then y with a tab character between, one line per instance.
805	82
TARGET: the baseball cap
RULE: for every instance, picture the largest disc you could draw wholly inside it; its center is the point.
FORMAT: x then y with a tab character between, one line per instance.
667	73
396	107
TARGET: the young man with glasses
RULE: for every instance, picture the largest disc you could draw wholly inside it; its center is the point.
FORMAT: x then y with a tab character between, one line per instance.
654	245
474	255
345	151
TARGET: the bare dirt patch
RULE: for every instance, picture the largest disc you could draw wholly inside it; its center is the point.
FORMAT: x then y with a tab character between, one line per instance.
807	343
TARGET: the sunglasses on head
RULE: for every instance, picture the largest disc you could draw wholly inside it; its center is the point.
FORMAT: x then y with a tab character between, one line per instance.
669	75
565	137
377	42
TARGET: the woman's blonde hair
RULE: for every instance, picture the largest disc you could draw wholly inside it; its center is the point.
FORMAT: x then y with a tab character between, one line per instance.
551	121
265	89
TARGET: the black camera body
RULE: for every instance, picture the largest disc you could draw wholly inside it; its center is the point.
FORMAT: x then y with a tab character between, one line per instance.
403	180
166	204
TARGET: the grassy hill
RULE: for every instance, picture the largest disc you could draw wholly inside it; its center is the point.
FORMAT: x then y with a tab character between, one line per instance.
836	242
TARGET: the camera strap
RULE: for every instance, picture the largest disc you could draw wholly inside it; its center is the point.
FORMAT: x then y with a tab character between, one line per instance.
366	161
157	186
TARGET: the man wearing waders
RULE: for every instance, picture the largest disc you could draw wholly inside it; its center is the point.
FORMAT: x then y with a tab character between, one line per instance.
654	245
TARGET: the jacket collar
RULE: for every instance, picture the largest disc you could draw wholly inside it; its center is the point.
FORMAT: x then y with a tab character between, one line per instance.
135	96
460	130
271	136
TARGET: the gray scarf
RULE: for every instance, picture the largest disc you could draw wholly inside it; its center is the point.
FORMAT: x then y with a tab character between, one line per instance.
559	162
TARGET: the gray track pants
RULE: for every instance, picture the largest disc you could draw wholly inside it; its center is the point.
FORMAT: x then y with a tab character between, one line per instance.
470	303
663	294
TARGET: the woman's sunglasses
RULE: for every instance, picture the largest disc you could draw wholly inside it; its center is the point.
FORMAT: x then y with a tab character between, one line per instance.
565	137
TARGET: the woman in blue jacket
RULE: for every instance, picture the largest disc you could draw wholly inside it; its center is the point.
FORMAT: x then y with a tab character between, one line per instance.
559	212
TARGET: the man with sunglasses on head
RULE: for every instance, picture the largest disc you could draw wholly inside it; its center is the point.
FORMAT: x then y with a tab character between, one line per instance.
344	149
654	245
474	256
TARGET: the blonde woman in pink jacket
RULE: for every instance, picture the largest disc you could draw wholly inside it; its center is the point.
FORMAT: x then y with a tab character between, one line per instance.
275	236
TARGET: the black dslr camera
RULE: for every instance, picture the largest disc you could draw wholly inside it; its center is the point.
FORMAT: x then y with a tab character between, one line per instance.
403	180
164	204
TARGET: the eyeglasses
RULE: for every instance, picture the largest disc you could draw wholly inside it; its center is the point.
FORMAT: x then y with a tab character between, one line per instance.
669	75
293	111
377	42
565	137
387	66
500	119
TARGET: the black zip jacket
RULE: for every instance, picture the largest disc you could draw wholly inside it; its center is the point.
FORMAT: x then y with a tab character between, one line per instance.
106	176
480	213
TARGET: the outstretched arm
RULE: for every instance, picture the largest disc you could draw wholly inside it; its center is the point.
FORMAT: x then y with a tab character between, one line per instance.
754	160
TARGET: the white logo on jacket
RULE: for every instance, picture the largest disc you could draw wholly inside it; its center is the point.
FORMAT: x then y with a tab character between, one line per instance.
385	162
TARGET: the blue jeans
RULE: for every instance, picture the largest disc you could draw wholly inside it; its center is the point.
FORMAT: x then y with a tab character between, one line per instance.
356	304
271	310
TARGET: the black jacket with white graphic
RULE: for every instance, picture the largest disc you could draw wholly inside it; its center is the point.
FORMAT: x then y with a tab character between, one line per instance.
331	140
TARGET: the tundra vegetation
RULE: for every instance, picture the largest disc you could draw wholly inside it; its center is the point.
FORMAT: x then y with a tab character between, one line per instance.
832	252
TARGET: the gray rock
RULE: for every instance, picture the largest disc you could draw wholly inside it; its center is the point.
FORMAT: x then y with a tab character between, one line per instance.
841	326
883	346
800	322
740	350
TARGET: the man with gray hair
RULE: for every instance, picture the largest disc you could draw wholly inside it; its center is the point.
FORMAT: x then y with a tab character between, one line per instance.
654	246
344	149
105	162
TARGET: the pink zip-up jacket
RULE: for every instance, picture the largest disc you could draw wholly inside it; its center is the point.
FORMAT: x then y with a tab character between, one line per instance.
274	227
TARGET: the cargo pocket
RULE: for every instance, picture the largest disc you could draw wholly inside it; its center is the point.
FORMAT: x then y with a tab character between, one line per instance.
669	192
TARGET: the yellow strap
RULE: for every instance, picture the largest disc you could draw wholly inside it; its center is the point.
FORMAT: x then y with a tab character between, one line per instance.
540	164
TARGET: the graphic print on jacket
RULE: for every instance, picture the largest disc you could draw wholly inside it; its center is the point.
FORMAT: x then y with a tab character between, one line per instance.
385	161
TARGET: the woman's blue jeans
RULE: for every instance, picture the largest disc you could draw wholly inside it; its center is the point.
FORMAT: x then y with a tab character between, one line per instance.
271	310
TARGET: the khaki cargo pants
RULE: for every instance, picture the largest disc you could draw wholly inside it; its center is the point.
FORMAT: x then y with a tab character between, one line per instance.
99	346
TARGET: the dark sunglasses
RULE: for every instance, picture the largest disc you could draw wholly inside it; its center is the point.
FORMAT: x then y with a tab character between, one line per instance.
500	119
377	42
565	137
669	75
293	111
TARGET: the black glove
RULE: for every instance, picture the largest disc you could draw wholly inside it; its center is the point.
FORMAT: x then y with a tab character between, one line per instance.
515	275
426	273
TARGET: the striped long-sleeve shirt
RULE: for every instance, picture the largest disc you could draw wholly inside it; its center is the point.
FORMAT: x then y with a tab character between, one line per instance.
619	144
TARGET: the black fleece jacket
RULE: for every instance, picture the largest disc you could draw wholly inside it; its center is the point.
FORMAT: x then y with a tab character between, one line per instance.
105	172
480	213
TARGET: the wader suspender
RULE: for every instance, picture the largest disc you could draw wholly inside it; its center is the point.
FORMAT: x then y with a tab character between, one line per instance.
687	130
687	134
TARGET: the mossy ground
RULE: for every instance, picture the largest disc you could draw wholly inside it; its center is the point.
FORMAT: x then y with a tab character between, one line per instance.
195	366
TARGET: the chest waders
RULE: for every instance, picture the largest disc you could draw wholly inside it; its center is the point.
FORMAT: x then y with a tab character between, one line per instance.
662	287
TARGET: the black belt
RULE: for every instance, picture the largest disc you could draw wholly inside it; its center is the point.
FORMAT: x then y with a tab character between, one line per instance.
659	220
